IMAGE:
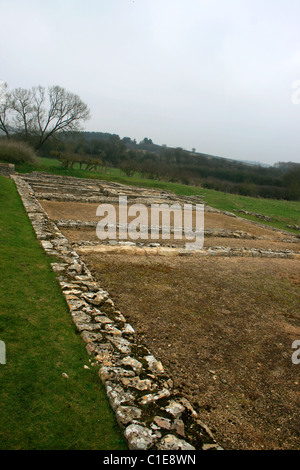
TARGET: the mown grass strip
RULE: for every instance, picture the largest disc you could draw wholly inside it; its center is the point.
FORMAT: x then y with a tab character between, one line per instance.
39	408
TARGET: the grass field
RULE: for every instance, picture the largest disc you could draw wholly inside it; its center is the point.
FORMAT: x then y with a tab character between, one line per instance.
40	409
281	212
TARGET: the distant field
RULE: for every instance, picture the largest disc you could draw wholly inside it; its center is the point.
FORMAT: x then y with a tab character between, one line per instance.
281	212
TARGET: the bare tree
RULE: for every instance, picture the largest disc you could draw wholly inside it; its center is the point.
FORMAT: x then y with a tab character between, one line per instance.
65	112
21	103
4	107
37	113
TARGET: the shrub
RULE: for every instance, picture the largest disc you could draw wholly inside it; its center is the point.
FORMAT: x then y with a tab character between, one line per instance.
16	152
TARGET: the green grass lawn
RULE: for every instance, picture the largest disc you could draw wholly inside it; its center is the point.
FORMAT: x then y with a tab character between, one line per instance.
282	213
39	408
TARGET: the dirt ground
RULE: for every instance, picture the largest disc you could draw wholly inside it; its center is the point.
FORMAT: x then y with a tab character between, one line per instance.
222	327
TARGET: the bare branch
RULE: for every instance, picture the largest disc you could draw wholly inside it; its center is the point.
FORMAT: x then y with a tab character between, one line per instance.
39	109
66	111
22	102
4	107
35	114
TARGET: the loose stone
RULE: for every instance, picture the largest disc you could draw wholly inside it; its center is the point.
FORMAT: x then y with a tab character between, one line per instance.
139	437
138	384
109	373
154	365
127	414
103	319
133	363
117	395
175	408
178	425
163	422
128	329
88	326
121	344
150	398
89	337
171	442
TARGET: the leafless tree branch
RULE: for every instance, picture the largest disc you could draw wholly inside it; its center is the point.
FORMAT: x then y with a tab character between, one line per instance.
42	115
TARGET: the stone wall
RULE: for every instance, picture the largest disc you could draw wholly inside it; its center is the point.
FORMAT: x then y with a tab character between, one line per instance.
70	189
7	169
157	249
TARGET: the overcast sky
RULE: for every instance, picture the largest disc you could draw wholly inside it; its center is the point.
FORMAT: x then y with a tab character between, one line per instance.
215	75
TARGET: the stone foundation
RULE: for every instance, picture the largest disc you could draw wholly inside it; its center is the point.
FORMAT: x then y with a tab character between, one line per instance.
7	169
152	414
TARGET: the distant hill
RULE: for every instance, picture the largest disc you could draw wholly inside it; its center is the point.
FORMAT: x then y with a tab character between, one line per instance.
249	178
148	145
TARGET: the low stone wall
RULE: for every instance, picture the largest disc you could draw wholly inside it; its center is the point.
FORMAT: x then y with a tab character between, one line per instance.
152	414
156	249
258	216
70	189
7	169
71	223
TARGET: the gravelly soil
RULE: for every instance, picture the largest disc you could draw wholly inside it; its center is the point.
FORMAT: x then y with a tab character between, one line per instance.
223	328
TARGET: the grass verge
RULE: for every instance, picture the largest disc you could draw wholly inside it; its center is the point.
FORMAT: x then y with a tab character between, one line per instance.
39	408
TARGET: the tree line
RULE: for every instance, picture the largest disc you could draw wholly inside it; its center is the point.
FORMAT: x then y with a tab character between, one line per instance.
148	160
50	120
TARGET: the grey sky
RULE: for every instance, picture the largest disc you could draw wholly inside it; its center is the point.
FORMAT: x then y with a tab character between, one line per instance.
211	74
